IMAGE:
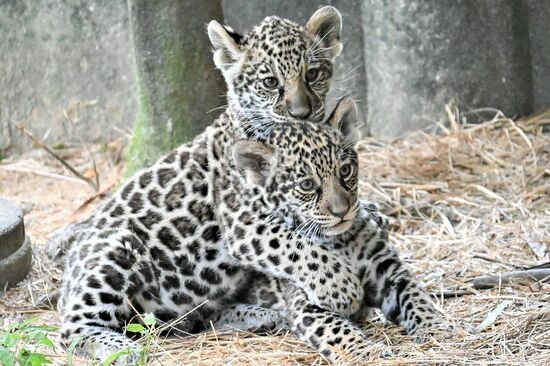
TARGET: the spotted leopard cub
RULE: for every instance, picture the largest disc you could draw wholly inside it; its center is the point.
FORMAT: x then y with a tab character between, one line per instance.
279	71
193	229
274	303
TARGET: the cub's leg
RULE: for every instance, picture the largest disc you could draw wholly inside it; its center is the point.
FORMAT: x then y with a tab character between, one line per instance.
335	337
101	279
389	285
281	304
272	248
251	318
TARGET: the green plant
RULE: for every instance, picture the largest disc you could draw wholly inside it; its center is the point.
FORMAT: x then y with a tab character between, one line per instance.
22	344
146	329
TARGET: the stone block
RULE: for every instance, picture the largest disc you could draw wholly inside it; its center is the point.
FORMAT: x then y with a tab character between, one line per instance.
15	249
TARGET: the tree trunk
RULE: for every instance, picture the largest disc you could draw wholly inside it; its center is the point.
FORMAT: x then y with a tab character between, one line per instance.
176	78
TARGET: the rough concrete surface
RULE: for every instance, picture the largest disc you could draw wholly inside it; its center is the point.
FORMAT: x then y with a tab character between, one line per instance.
539	35
15	250
66	66
66	70
424	54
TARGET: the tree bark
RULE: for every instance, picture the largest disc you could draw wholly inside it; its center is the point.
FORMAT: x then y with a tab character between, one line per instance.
176	79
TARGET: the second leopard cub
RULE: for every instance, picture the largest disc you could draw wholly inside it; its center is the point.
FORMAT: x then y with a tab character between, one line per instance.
194	228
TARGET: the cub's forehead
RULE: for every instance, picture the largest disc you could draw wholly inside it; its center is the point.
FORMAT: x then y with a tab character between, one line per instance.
278	39
276	32
305	144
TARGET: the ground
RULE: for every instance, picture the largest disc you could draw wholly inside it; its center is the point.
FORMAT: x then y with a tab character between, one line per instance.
471	201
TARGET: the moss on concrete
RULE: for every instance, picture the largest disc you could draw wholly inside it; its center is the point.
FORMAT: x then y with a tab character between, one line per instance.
177	83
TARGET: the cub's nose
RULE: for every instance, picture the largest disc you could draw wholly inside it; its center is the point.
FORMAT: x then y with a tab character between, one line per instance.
339	207
299	110
297	99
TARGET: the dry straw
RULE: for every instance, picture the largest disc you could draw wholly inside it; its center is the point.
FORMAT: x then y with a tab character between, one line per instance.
472	200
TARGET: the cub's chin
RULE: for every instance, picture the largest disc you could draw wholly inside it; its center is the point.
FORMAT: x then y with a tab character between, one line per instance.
339	228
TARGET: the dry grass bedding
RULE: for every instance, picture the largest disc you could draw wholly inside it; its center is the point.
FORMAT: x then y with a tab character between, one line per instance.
469	201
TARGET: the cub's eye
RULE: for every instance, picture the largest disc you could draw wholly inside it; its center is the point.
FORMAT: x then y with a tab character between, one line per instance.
271	82
345	170
307	185
312	75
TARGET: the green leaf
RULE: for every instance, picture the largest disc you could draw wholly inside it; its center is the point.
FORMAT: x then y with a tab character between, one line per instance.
41	338
45	328
37	359
149	319
135	328
6	357
113	357
70	350
21	325
10	339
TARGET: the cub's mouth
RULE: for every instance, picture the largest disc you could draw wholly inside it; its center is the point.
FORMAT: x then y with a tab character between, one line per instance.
339	228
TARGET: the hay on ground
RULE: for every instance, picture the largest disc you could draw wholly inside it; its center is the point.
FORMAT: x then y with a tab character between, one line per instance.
473	200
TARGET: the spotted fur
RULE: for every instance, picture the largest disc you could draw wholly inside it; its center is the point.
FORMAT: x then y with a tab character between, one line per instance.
388	285
279	71
274	48
195	227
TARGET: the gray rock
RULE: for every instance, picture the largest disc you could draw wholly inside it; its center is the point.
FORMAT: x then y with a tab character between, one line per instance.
16	267
15	249
12	231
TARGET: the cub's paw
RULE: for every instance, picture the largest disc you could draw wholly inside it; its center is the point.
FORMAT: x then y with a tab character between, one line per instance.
358	354
440	329
376	350
383	351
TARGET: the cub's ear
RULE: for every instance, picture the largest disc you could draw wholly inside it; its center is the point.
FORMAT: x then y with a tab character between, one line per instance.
255	159
326	23
344	119
225	42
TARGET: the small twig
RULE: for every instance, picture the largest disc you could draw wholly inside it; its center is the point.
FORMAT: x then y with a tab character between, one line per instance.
22	169
540	266
94	165
38	143
489	259
447	294
533	275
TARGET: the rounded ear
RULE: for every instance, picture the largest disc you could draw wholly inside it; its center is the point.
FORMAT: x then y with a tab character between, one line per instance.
344	119
255	159
326	23
225	43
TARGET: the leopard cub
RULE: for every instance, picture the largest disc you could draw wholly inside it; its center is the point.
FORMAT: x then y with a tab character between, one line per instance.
194	229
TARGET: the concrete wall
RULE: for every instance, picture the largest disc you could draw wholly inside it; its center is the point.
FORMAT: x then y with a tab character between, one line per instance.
62	57
424	54
402	61
538	16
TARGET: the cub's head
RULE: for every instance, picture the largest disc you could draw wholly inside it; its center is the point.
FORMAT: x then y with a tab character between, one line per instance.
279	71
308	169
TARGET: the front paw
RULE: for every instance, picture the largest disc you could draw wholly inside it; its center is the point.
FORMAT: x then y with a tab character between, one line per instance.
440	329
358	353
382	351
